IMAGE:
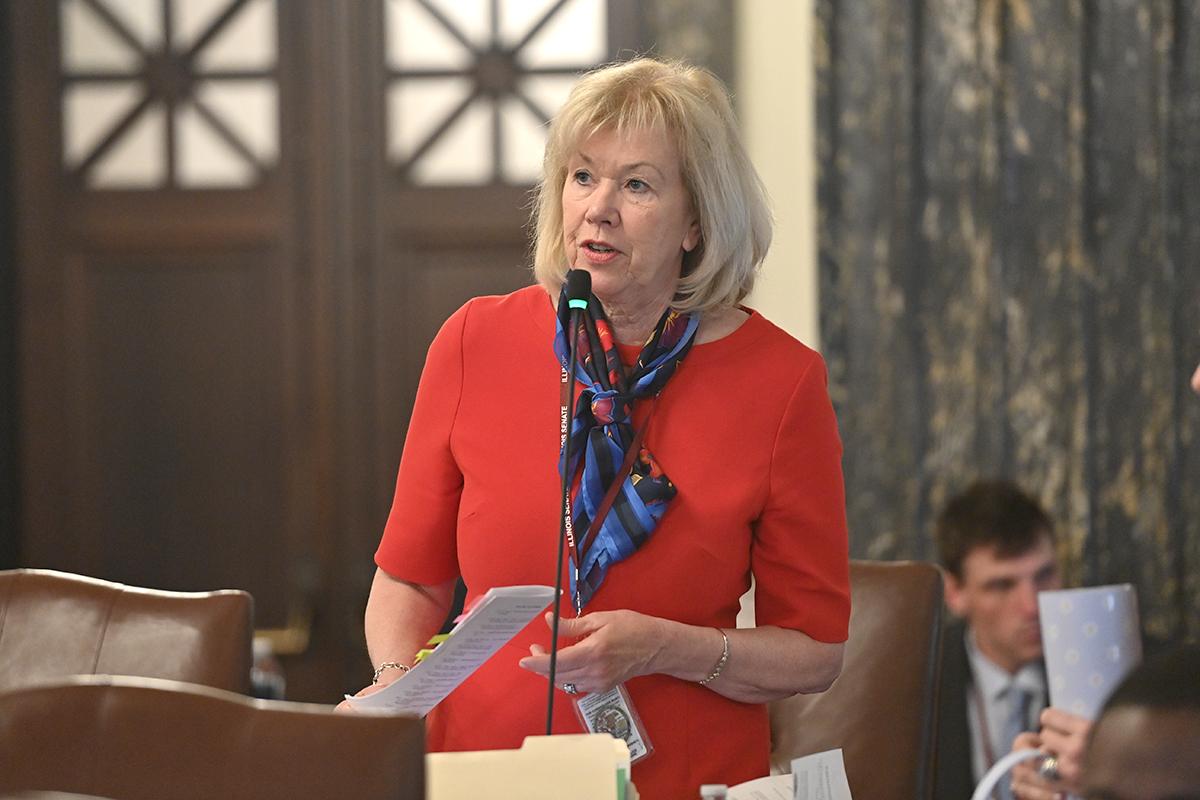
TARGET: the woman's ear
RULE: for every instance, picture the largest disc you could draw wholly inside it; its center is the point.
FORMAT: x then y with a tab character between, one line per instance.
692	237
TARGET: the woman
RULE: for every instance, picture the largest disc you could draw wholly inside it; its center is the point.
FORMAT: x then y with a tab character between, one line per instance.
647	188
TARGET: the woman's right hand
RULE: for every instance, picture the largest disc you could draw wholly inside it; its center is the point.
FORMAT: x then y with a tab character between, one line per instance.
400	618
372	689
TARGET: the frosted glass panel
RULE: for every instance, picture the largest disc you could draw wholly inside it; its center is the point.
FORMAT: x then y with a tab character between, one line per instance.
250	109
577	33
524	139
471	18
142	18
416	40
547	92
518	18
489	45
89	43
191	18
461	156
246	43
204	159
225	130
91	111
417	107
138	160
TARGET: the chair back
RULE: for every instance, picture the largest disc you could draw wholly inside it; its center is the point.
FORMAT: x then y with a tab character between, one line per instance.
132	738
882	709
56	624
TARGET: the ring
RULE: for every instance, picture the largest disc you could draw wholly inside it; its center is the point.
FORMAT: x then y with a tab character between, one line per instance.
1049	768
569	688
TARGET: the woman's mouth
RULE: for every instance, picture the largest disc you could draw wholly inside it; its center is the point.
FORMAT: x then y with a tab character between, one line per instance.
598	252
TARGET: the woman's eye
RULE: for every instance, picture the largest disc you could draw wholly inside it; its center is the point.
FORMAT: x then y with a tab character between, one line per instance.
581	176
637	185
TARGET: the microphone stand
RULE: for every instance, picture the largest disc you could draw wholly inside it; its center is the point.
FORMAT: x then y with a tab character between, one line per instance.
579	287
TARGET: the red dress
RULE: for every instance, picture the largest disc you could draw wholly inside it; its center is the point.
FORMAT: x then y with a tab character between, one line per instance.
744	429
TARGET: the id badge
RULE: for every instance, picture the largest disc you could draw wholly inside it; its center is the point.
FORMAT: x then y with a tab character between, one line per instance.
612	712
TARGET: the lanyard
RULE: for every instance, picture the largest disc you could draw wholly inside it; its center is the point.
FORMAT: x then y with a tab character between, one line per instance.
985	733
577	549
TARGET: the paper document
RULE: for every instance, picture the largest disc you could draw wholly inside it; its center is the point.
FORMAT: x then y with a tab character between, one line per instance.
820	776
491	622
1091	638
772	787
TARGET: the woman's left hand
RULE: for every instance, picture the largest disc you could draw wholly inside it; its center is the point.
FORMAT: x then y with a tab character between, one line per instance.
612	647
764	663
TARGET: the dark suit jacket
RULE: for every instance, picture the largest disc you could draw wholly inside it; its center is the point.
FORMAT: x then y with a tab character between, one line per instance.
953	778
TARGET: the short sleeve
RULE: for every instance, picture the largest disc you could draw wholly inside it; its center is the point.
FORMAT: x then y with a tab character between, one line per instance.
800	555
419	541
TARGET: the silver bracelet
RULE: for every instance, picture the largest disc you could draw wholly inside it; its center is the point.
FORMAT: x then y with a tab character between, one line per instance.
387	665
720	664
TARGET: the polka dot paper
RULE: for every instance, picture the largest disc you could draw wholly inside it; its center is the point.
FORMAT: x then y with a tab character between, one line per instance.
1091	639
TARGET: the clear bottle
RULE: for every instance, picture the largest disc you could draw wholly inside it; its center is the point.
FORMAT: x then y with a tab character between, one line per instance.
713	791
267	680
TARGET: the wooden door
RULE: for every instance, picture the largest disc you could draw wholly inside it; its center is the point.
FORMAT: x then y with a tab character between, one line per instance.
222	320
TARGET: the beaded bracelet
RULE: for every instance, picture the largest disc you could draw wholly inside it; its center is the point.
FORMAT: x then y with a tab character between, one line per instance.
387	665
721	663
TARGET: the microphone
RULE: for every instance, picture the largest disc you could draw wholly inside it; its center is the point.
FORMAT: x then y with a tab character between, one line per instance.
579	290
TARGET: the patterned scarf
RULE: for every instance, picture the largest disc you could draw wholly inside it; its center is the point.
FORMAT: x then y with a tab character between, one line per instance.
602	432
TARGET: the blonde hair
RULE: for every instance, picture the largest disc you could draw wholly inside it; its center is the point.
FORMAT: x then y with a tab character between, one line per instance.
690	104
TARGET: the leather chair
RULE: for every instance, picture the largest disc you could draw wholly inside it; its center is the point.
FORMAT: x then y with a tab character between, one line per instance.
55	624
131	738
882	709
50	796
35	795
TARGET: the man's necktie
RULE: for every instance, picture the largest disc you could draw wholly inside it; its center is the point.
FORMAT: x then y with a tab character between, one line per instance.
1018	716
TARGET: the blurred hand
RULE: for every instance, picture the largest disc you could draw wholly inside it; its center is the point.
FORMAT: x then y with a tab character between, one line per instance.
1063	735
1027	784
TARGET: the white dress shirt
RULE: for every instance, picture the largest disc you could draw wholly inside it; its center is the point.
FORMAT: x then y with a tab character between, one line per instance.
994	684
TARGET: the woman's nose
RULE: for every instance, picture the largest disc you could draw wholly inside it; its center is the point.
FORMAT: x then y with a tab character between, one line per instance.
602	206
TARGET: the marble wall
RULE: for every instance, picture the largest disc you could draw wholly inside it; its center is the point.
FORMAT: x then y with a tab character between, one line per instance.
1010	266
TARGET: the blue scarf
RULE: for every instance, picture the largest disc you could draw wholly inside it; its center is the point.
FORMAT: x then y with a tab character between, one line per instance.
602	433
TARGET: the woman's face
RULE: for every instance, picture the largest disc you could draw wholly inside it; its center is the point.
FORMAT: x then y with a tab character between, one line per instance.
627	217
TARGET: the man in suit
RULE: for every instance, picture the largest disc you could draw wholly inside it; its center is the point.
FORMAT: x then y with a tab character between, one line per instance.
998	551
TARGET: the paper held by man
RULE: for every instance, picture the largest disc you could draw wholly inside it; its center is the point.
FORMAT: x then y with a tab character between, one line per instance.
488	625
1091	639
